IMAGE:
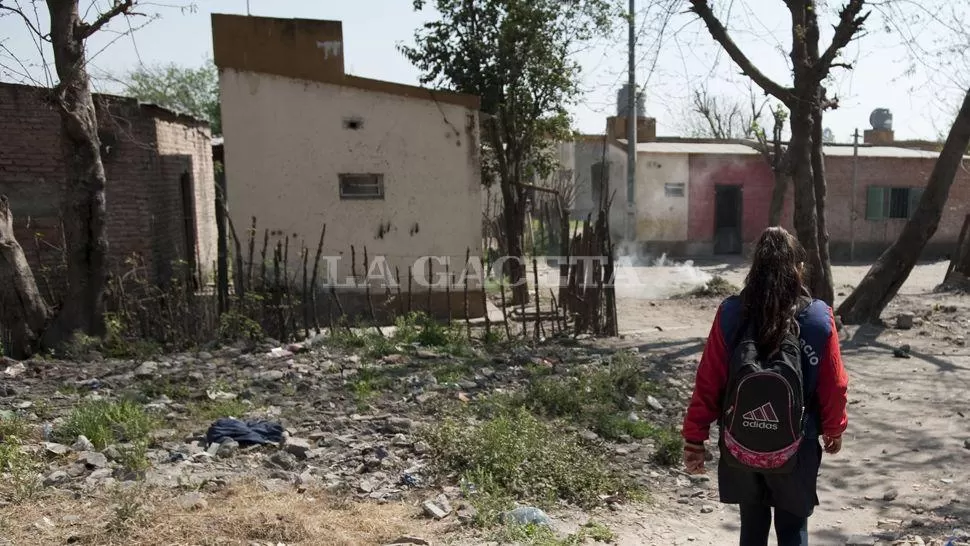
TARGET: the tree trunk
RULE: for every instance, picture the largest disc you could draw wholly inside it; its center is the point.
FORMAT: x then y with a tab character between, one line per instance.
83	200
806	212
782	180
22	308
883	280
960	263
514	216
825	287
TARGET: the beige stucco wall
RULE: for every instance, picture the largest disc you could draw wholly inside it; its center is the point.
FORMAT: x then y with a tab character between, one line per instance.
285	143
659	217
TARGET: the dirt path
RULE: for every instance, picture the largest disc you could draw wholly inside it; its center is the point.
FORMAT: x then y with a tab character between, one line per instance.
903	470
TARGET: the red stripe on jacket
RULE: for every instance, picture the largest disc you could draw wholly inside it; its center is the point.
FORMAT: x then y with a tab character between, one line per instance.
712	376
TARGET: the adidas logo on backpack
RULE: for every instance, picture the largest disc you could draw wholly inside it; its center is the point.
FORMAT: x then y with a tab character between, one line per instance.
764	410
763	417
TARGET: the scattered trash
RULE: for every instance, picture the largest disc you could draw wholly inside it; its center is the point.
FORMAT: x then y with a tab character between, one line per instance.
246	433
432	510
905	321
903	352
220	395
526	515
15	370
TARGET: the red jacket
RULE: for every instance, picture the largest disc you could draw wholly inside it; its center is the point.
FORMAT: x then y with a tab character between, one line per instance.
824	374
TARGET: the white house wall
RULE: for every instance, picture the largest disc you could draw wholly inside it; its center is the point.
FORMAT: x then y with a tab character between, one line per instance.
287	140
662	217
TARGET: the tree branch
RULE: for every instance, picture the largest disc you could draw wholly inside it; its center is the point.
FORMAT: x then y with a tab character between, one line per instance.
30	25
850	22
720	35
121	7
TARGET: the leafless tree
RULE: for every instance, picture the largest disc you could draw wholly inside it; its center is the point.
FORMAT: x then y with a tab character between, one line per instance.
83	205
806	99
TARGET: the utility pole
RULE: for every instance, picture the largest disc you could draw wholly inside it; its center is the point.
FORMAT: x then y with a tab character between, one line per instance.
631	131
855	178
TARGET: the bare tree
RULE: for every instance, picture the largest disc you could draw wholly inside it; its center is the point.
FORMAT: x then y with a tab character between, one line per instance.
882	282
724	118
806	100
83	205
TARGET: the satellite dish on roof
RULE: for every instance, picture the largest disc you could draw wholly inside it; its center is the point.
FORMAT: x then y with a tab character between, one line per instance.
881	119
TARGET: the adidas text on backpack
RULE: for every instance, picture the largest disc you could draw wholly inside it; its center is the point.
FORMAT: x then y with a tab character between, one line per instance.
764	410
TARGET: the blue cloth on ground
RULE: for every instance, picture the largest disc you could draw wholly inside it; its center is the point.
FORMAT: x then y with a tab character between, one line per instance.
245	432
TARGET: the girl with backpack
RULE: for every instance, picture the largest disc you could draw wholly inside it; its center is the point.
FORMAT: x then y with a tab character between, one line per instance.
772	376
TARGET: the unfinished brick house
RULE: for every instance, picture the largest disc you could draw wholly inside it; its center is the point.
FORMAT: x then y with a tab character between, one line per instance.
160	193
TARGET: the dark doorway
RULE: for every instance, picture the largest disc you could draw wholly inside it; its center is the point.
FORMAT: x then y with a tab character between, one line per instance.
727	220
188	215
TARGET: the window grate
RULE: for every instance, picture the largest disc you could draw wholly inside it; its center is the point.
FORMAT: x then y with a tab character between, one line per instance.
361	186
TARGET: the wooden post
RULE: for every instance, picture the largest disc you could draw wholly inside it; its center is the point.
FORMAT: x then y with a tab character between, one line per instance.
313	281
306	296
525	323
252	249
370	304
262	271
535	275
400	296
488	323
448	288
222	248
277	295
410	288
468	319
505	315
430	273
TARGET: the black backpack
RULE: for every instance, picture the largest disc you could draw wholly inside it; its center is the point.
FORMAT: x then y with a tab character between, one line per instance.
763	417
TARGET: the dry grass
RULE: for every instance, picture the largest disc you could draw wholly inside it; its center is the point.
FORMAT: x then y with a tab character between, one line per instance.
244	513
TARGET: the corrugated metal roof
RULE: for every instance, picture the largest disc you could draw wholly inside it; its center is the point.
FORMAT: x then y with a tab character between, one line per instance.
879	151
733	148
711	148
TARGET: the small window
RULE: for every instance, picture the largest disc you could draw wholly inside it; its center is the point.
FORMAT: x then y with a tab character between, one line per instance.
674	190
361	186
892	203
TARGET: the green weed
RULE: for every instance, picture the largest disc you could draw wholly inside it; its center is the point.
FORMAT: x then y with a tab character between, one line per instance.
19	469
107	422
210	410
516	456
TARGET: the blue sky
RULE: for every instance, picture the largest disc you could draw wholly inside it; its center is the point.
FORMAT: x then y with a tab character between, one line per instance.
671	63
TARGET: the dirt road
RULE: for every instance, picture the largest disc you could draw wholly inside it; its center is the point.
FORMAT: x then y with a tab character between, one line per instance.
904	467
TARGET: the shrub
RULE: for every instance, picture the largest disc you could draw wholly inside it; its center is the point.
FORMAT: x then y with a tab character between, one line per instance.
107	422
516	456
235	326
18	470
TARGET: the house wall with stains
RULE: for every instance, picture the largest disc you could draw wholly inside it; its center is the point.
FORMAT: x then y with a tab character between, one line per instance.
297	128
708	171
663	182
288	140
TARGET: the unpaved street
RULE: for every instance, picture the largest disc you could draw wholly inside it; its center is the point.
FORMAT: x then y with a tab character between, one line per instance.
903	469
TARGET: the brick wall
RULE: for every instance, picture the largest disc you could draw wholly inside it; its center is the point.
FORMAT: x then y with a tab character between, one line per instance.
32	175
187	165
874	236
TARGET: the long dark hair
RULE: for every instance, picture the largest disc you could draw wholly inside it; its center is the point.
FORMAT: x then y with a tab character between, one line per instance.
773	287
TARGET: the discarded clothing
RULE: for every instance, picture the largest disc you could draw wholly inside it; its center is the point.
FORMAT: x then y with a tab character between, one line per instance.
246	433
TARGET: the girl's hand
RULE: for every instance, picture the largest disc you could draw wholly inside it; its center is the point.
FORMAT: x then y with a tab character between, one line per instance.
833	444
694	455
